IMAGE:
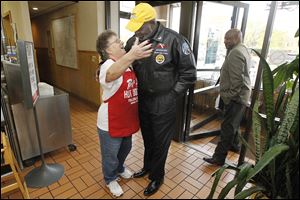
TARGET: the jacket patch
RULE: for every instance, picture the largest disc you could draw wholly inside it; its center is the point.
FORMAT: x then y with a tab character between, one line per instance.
160	59
161	46
186	49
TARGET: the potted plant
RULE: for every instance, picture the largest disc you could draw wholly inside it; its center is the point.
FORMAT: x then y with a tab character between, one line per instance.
275	173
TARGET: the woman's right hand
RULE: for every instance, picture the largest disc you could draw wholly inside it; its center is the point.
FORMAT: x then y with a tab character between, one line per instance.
139	51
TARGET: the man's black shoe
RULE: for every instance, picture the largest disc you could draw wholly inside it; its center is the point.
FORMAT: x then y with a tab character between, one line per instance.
140	173
214	161
153	187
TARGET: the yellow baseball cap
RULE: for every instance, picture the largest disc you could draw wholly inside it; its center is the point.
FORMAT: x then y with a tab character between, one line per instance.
141	13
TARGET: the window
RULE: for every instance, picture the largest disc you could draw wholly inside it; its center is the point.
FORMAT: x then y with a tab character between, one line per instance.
283	44
255	31
127	6
125	10
215	22
174	22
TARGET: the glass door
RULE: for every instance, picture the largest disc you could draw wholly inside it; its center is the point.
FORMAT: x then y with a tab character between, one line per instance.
213	20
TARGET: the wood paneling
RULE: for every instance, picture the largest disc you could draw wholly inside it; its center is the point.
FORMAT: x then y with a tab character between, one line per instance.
80	82
8	30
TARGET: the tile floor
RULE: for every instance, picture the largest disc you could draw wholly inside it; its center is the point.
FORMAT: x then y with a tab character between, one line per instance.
187	175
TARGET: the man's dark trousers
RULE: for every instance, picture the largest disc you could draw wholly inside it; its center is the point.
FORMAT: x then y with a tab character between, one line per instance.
229	129
157	119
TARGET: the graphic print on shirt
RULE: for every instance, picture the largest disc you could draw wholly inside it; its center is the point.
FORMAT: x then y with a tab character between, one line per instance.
131	92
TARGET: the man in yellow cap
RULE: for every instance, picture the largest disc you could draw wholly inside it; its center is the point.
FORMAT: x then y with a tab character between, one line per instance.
162	77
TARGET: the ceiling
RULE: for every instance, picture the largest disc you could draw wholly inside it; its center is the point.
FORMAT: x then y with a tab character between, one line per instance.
46	6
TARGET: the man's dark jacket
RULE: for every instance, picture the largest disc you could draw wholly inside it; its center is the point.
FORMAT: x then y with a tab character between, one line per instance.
170	68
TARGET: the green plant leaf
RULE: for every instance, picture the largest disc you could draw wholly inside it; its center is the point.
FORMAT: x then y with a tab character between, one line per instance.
279	68
268	88
248	192
288	119
256	128
218	174
280	74
295	84
293	129
268	97
280	98
267	158
224	192
248	147
245	168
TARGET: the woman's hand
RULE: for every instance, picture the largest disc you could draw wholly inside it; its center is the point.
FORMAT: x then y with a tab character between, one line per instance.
139	51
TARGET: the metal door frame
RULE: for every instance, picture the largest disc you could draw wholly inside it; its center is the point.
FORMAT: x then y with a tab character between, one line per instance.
236	9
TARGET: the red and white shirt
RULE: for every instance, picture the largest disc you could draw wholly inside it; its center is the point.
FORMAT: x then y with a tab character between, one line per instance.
118	114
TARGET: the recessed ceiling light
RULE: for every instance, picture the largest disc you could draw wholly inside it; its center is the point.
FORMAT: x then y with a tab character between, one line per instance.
35	8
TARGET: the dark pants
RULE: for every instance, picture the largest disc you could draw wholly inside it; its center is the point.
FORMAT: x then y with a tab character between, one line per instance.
157	119
229	129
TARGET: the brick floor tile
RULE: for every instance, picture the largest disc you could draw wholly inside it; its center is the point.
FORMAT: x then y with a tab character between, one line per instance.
38	193
67	194
186	195
189	187
203	193
175	162
142	182
87	192
157	195
77	174
196	173
97	194
169	183
73	170
61	189
53	186
204	178
88	166
172	173
134	186
181	176
136	197
72	162
79	184
88	180
48	195
193	182
176	192
76	196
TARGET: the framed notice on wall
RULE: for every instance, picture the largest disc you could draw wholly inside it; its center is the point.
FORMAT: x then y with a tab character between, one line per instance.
28	72
64	36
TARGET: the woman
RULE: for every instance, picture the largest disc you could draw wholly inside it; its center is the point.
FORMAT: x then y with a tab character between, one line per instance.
118	114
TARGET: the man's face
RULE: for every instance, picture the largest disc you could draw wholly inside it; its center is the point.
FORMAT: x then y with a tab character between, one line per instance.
229	41
144	31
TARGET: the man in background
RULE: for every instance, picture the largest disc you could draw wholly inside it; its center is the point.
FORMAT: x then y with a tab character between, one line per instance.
235	91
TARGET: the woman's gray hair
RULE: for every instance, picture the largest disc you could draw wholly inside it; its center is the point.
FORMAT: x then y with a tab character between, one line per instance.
102	42
101	45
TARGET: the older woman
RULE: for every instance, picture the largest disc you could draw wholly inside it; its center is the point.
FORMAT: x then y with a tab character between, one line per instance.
118	114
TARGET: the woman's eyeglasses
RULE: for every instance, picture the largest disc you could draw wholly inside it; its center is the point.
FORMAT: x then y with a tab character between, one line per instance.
118	41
